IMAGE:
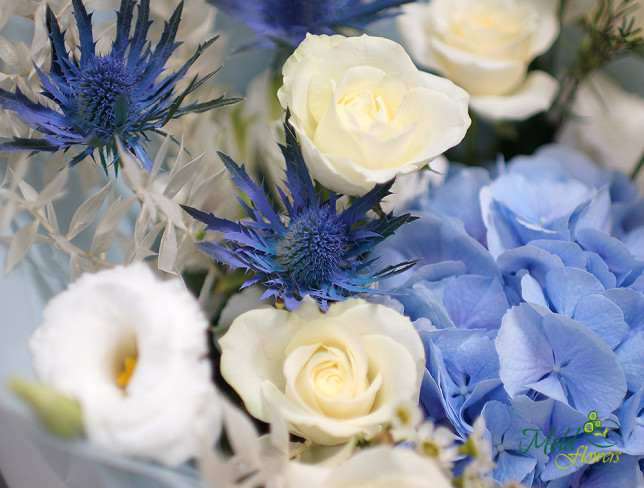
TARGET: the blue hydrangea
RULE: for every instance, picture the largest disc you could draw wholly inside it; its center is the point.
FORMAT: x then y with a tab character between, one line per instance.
514	460
286	22
547	353
544	257
310	248
104	97
462	374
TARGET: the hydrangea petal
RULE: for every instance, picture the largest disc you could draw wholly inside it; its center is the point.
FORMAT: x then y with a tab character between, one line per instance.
566	286
593	377
525	354
603	317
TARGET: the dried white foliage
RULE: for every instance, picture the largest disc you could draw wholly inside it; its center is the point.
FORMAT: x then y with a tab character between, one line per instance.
255	461
87	212
138	213
136	216
250	132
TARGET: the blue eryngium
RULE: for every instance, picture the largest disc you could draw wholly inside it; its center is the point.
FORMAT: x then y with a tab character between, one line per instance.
102	97
308	249
286	22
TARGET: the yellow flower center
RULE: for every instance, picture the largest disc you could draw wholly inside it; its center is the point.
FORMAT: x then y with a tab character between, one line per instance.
127	370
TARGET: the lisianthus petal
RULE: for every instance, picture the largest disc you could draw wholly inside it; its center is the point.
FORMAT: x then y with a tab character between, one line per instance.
121	314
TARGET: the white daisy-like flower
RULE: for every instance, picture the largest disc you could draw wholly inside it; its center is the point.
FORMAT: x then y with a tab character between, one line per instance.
132	350
437	442
407	417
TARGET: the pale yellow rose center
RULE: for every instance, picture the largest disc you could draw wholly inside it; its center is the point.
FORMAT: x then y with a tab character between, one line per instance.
364	108
496	28
330	373
372	119
332	379
367	100
329	377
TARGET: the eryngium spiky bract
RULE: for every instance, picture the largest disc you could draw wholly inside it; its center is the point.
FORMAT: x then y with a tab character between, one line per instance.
309	249
286	22
102	97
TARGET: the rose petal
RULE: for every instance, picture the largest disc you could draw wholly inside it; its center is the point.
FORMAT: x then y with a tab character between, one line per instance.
533	96
248	359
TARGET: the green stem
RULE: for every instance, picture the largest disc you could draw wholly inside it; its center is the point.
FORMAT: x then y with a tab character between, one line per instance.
470	140
637	168
554	49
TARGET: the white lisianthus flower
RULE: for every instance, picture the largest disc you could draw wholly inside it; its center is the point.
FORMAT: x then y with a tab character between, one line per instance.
132	349
607	124
364	113
331	375
382	466
485	46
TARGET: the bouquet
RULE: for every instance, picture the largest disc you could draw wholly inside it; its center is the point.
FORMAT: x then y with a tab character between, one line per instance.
341	243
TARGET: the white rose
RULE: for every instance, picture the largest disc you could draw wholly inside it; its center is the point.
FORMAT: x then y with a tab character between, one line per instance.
132	351
364	113
485	46
331	375
381	467
607	124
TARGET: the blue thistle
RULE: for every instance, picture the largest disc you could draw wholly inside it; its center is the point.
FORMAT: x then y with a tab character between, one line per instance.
286	22
105	97
309	248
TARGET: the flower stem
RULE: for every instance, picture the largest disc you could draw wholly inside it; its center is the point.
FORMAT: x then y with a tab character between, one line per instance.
470	140
637	168
609	33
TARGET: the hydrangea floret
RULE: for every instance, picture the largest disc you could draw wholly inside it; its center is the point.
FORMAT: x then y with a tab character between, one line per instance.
286	22
310	248
105	97
529	301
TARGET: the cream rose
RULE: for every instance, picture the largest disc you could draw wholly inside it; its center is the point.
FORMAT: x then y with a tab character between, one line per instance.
331	375
485	46
363	113
376	467
608	124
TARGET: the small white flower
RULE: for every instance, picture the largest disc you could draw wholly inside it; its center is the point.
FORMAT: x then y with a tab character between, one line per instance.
437	442
407	417
132	349
485	46
364	113
482	464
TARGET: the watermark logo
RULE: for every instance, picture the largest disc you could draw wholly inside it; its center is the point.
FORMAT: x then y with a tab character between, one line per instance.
589	444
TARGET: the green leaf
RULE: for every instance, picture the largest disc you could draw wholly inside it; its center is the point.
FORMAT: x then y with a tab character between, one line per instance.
205	106
60	414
